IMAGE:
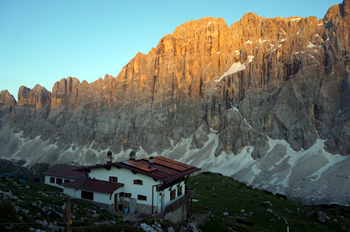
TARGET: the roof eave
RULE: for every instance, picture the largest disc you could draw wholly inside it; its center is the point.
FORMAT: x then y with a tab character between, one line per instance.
63	176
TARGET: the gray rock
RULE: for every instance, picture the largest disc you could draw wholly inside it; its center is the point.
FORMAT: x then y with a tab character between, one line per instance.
322	217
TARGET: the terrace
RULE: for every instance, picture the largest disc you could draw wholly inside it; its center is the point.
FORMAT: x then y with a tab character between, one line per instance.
190	194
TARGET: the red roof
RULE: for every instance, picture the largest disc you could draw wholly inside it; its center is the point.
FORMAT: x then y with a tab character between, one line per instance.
163	168
65	171
94	185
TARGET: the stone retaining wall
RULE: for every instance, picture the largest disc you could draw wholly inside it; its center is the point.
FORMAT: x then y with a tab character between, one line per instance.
178	215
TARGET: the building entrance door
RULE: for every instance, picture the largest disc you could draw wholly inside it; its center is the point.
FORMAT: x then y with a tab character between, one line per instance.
115	201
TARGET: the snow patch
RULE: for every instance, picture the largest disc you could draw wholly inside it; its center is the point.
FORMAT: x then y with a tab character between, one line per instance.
230	164
312	56
236	67
250	59
262	41
296	19
256	172
282	40
311	45
332	159
295	158
234	109
141	152
50	147
247	123
248	42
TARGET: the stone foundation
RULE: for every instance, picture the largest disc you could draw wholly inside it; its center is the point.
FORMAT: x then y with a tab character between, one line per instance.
178	215
142	208
146	209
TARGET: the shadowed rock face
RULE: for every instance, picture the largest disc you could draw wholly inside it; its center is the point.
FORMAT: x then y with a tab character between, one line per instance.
292	84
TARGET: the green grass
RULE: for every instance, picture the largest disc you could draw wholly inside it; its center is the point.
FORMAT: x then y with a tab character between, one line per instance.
40	202
252	209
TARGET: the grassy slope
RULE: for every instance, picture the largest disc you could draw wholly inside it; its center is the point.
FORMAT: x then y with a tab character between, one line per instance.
42	202
262	211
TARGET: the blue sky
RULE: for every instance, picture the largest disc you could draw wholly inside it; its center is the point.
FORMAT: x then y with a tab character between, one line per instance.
42	42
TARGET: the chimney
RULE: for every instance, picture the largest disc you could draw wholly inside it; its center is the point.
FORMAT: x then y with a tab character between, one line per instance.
132	155
151	160
109	157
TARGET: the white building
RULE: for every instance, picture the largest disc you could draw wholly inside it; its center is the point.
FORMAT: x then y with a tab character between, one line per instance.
62	174
151	186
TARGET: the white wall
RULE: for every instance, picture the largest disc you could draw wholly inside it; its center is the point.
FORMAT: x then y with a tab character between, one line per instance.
98	197
126	177
71	192
47	181
167	191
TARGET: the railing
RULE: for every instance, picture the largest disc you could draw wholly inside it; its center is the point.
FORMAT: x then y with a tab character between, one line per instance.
204	219
177	204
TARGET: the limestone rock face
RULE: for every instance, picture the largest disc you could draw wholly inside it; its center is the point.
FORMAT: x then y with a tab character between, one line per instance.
38	97
176	69
260	78
7	99
7	102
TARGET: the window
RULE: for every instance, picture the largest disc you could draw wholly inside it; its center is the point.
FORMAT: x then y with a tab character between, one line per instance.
128	195
87	195
179	191
113	179
66	181
58	181
139	182
141	198
122	194
172	194
52	180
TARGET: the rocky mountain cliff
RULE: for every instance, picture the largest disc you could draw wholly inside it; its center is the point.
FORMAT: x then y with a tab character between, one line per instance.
206	95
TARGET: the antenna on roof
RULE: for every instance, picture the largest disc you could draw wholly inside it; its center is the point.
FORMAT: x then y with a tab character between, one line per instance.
132	155
109	155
